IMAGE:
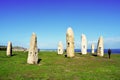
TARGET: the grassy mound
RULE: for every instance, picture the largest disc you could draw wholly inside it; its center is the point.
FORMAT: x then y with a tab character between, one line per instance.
57	67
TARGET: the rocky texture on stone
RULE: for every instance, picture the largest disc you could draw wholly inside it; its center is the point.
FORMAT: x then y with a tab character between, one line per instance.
9	49
100	47
60	47
70	42
33	50
83	44
92	49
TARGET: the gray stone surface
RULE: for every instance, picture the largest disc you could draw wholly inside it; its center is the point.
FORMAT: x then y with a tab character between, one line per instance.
70	43
83	44
100	47
92	49
9	49
60	47
33	50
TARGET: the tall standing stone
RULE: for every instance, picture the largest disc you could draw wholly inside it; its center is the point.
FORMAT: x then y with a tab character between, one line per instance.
60	47
83	44
100	47
33	50
70	43
92	48
9	49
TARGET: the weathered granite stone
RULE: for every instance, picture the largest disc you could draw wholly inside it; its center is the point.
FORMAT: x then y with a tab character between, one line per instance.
70	43
92	49
100	47
33	50
83	44
60	47
9	49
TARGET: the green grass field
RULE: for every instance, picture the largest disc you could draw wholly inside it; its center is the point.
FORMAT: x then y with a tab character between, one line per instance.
57	67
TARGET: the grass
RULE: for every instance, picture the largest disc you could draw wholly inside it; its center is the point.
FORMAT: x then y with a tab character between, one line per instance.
57	67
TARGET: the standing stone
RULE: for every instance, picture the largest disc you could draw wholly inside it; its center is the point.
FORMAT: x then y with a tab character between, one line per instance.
60	48
70	43
33	50
100	47
9	49
83	44
92	49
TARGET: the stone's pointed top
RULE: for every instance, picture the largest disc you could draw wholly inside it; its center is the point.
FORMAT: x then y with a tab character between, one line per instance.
60	43
33	34
100	38
83	35
69	30
9	41
92	45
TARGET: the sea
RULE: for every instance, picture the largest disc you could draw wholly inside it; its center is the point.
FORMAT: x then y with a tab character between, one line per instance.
114	51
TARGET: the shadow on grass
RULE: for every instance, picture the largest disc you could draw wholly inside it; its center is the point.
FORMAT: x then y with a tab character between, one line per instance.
94	55
13	54
8	56
25	62
39	60
106	57
65	55
79	53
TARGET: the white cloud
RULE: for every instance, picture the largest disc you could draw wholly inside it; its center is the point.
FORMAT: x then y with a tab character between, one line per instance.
112	39
112	42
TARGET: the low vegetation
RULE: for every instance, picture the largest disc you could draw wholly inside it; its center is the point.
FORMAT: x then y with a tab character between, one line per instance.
58	67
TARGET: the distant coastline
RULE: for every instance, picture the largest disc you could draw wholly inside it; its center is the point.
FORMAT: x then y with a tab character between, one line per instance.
17	48
88	50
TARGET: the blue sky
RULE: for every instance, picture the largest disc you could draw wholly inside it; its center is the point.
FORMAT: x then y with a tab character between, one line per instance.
49	19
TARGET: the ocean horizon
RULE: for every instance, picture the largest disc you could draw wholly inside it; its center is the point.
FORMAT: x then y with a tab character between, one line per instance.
88	50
